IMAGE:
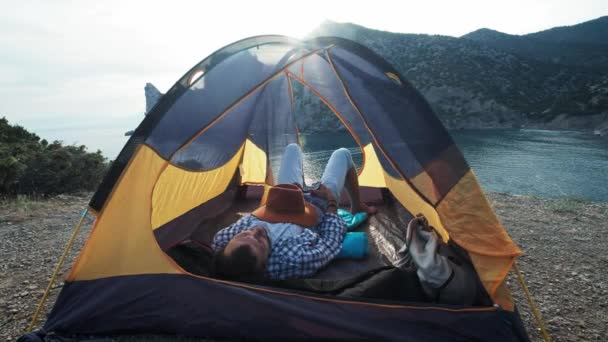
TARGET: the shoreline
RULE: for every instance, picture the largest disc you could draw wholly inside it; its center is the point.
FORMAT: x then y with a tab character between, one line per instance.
563	263
522	128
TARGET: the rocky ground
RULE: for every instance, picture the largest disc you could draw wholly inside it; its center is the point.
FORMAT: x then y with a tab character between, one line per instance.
564	264
564	240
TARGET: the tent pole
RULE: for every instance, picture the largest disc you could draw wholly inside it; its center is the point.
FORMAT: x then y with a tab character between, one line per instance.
533	307
57	269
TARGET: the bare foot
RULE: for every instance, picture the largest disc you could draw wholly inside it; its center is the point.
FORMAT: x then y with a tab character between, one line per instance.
370	210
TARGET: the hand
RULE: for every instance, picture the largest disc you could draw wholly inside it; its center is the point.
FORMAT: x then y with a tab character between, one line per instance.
325	193
423	245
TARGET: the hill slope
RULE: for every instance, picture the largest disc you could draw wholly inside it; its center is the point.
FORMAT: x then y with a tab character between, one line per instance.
488	79
590	32
578	53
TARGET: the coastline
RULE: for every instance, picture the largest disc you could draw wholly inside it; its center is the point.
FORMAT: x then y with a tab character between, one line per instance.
598	128
563	262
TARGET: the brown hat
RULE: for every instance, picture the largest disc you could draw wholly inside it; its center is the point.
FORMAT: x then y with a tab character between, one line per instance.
285	203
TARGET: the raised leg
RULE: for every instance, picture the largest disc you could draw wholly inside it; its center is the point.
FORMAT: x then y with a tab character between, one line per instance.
291	170
340	173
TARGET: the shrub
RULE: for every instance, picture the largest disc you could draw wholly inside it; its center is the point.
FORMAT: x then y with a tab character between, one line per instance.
32	166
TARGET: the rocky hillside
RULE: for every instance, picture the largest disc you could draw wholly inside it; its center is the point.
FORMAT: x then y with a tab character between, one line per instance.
591	32
579	45
488	79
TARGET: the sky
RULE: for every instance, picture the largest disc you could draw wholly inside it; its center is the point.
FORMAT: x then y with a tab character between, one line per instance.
71	70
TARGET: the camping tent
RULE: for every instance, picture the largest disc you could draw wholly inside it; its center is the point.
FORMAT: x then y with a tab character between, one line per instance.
206	146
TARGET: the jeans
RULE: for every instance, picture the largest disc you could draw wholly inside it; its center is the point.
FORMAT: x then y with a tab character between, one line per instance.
334	175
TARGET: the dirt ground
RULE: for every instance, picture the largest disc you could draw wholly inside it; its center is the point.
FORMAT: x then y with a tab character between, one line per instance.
564	266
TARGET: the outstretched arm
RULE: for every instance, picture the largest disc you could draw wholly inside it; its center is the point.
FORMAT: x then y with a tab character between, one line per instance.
308	252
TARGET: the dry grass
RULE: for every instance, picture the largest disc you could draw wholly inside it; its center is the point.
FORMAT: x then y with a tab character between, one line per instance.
22	207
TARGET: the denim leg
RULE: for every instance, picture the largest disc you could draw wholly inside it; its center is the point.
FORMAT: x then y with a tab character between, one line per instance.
292	167
335	171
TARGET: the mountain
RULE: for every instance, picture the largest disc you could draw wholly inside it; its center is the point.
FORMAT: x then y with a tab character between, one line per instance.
590	32
572	45
489	79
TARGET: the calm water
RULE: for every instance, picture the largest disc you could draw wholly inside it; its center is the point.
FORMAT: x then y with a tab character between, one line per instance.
538	162
531	162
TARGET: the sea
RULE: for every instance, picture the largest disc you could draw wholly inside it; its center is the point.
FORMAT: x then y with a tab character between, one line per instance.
533	162
515	161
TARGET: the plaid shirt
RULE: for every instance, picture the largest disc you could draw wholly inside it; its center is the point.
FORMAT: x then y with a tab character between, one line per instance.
299	256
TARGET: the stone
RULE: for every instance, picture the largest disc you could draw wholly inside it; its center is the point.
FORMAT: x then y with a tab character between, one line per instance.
152	96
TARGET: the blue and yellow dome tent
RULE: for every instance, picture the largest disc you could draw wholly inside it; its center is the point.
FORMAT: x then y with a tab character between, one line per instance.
211	136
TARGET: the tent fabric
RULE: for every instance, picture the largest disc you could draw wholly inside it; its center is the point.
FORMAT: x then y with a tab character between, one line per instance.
121	242
219	129
172	199
210	308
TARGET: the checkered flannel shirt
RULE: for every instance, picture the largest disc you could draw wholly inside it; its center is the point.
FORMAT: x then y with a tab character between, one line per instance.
299	256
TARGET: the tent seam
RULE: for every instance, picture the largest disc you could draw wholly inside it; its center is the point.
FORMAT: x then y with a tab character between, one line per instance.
333	109
292	101
416	190
235	103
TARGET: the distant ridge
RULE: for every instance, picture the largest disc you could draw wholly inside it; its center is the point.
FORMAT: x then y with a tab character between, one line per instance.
486	34
590	32
584	44
557	78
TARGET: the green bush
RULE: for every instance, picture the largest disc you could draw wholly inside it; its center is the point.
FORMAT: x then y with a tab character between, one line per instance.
31	166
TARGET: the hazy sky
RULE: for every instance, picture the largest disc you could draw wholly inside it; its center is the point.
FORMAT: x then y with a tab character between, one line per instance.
82	65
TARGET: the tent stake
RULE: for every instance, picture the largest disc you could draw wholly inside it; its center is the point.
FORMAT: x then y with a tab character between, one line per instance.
535	311
65	253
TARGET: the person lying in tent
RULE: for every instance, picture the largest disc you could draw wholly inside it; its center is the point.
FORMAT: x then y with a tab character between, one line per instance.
295	233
